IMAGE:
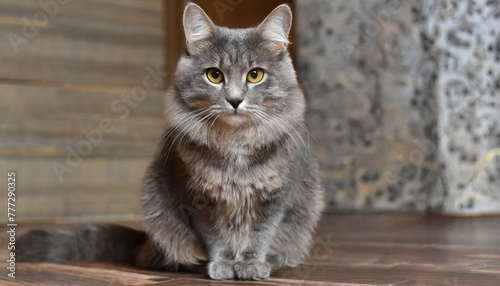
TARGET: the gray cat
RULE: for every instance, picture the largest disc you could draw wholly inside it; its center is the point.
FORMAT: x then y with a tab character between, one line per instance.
232	187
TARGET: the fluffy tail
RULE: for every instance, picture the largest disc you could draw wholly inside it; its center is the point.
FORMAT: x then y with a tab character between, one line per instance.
91	242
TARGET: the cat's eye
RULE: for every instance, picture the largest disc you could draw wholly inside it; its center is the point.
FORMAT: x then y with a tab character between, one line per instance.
255	75
214	75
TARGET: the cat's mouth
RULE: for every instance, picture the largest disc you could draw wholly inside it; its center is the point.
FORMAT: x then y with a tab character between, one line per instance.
234	118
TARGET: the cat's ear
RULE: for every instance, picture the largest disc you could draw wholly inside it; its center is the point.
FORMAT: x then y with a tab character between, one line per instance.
197	27
276	28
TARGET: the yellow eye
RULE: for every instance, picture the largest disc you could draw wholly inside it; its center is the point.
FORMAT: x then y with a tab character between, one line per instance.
255	75
215	75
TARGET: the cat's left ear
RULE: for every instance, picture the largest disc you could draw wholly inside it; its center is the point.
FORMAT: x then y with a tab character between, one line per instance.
276	28
197	27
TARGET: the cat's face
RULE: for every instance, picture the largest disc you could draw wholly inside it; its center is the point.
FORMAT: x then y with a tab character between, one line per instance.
238	77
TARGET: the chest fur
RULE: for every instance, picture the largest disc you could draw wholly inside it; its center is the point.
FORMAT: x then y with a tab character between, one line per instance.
233	195
237	188
233	202
231	191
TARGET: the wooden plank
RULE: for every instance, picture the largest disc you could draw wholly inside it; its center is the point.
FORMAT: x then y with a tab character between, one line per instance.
72	125
402	256
174	35
36	173
27	145
115	201
24	133
405	228
95	187
363	261
388	276
65	275
100	10
83	100
45	121
92	42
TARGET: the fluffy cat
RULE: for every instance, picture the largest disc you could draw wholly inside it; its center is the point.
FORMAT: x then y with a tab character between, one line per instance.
232	187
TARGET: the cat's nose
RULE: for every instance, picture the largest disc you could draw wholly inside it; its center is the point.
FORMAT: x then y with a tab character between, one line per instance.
235	102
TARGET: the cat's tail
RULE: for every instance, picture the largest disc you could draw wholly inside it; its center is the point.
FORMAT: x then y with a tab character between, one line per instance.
90	242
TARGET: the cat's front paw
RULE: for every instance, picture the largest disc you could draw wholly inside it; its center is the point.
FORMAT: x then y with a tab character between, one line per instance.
252	270
219	270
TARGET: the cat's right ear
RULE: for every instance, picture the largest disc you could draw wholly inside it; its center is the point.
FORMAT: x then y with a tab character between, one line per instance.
276	28
197	27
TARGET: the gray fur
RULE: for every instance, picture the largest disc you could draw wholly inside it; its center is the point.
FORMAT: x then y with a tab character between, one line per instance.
234	190
241	195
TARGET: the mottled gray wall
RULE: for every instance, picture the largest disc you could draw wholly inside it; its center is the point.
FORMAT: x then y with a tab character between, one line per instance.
385	81
465	41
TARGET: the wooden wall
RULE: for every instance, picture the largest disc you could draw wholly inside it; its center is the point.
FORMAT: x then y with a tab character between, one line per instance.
65	67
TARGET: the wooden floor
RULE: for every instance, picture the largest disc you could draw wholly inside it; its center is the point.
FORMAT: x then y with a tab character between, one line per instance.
389	249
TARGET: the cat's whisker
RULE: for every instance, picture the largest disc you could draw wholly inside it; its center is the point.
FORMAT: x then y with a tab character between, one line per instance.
191	117
303	125
188	125
209	135
270	121
274	127
201	125
293	128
